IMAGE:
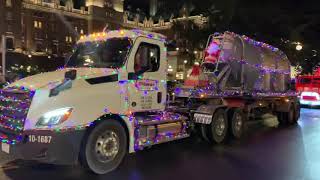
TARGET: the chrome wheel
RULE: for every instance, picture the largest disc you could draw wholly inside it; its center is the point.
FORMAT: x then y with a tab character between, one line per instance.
107	146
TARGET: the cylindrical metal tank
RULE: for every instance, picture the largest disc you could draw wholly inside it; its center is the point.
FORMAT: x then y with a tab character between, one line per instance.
248	64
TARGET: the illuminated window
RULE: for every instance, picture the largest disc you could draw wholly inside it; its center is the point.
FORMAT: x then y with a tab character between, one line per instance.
68	39
8	3
76	28
81	31
37	24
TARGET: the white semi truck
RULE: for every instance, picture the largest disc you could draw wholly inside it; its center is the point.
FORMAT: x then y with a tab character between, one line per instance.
111	99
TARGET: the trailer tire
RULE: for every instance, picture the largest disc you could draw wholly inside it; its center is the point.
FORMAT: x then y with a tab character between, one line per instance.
297	112
219	127
237	123
104	148
291	115
281	118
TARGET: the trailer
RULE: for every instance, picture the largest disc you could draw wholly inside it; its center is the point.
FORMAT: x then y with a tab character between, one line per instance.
111	99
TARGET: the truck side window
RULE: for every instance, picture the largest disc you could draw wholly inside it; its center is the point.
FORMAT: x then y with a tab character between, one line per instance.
147	58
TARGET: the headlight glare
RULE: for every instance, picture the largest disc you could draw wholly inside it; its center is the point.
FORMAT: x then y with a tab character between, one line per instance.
54	117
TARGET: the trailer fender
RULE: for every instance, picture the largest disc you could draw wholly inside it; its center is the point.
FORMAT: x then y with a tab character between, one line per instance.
204	114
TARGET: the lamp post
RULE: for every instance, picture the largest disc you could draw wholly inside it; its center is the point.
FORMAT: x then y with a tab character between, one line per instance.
184	69
299	47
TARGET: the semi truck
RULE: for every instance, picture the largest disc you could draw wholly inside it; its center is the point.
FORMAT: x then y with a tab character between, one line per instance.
111	99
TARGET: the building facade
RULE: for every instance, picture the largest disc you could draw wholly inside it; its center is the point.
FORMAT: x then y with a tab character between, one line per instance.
50	28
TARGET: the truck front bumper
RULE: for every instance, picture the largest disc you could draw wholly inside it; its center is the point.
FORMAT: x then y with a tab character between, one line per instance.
48	146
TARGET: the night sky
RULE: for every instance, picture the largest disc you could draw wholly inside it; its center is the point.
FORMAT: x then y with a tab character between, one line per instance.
297	20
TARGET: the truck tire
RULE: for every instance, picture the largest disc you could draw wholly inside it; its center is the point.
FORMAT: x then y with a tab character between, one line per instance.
297	112
104	148
291	115
282	118
237	123
219	127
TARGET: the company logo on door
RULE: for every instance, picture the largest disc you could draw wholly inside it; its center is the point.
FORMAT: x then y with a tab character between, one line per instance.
146	84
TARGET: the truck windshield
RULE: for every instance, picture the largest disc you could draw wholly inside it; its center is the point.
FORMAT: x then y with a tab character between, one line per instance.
111	53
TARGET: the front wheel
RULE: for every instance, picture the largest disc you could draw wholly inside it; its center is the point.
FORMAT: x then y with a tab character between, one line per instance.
105	147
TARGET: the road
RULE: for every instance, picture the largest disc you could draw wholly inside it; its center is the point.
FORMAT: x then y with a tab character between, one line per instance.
265	153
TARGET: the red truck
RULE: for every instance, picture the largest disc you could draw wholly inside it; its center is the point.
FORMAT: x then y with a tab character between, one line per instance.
308	87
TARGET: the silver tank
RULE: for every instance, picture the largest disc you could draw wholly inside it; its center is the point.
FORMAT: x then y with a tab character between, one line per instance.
245	64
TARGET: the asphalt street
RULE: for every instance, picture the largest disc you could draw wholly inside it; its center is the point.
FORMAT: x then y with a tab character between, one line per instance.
265	153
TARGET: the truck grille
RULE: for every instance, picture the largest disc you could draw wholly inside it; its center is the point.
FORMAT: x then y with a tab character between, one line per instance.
14	106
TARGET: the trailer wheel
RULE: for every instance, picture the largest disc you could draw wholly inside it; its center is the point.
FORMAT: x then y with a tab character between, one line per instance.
292	115
237	123
297	112
282	118
219	127
104	148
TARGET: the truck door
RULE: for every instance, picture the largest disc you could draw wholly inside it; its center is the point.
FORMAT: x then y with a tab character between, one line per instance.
146	76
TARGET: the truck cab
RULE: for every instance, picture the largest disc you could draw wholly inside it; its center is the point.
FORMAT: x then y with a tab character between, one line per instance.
109	99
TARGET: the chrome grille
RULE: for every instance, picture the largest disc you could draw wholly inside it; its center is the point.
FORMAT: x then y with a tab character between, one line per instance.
14	106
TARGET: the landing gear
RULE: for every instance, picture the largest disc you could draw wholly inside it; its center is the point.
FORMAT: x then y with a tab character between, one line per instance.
105	147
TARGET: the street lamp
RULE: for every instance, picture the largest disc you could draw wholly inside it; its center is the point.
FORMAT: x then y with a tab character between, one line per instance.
185	61
29	55
177	49
299	47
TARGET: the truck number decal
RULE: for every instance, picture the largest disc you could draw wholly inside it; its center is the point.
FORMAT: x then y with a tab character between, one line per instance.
40	139
146	102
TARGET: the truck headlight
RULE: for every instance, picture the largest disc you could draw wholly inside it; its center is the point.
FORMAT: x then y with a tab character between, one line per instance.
54	117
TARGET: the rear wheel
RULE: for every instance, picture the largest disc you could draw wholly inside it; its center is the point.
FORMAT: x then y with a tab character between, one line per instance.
294	114
219	127
105	147
281	118
297	112
237	123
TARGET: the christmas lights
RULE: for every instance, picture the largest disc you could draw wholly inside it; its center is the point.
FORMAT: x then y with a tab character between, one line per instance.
122	33
14	105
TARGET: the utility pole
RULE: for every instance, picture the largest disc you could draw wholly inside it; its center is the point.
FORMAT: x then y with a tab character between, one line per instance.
3	55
